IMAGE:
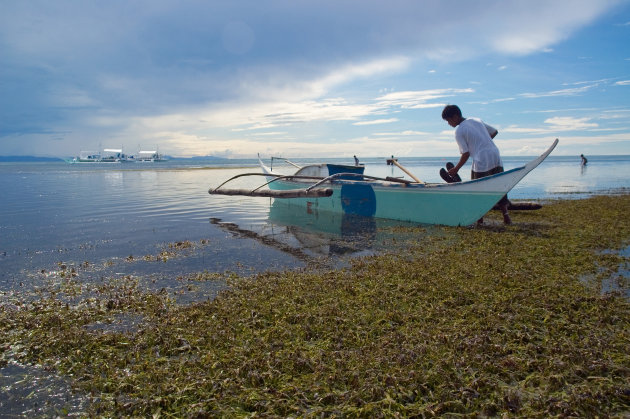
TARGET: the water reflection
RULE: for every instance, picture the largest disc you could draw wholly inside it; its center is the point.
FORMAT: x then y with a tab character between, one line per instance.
335	236
322	237
114	179
32	391
619	280
323	232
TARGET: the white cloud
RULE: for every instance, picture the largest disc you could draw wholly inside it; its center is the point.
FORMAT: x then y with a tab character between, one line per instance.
616	114
270	134
569	124
234	70
562	92
569	145
545	23
513	129
360	70
555	124
71	96
376	121
418	99
402	133
591	82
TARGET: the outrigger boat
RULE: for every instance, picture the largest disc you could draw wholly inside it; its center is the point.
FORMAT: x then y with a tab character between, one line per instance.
109	155
152	156
346	189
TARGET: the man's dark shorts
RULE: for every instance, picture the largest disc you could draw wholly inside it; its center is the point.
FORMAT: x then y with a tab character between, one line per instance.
479	175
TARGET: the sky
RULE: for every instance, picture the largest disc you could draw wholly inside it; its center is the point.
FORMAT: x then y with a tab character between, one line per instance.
325	78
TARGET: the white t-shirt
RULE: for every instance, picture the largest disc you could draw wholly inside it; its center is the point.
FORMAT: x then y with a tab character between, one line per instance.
473	136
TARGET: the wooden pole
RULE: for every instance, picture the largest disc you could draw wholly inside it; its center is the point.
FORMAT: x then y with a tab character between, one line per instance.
289	193
401	167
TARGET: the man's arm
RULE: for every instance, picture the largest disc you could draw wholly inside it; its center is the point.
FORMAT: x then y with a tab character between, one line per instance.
491	130
462	160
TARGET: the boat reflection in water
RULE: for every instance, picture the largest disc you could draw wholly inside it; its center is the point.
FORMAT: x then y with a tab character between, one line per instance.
325	238
323	233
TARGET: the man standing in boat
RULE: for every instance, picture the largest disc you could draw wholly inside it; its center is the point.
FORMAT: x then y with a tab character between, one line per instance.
474	139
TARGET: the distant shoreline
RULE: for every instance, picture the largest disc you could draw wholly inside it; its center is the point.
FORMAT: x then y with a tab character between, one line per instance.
42	159
35	159
10	159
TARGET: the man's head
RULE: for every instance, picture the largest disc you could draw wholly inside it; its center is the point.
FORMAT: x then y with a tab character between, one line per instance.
452	114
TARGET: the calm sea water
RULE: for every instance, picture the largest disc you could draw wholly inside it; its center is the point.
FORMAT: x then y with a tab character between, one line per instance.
106	215
156	222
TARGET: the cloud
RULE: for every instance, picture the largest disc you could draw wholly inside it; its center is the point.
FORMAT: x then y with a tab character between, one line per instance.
559	123
376	121
186	72
545	23
562	92
321	85
401	134
514	129
555	125
569	145
418	99
238	37
241	117
584	86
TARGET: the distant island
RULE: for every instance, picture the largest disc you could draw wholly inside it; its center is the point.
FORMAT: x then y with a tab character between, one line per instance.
28	159
56	159
200	158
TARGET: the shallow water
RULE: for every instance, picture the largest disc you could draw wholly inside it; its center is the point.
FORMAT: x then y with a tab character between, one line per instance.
119	217
157	224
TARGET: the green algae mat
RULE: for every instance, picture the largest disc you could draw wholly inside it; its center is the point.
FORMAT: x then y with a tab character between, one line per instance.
491	321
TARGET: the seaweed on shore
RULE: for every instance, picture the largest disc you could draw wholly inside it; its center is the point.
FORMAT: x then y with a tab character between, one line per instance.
485	321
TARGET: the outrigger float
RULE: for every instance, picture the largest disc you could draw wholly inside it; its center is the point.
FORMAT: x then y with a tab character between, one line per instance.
346	189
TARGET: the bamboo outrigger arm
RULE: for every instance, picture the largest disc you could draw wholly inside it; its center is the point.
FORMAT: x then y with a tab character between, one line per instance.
288	193
312	191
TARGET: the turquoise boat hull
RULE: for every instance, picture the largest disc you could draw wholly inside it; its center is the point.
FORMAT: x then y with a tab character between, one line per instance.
420	204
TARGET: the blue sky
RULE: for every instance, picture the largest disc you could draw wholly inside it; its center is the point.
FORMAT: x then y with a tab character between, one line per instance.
326	78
